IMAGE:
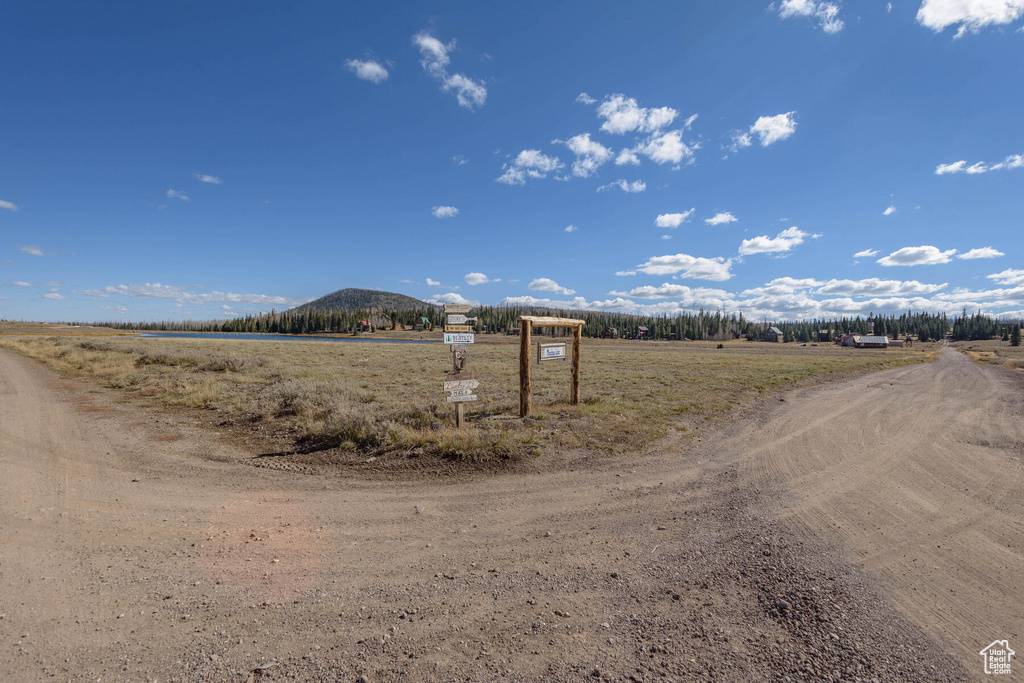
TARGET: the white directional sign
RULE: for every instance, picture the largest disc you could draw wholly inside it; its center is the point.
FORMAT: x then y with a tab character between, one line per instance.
457	308
461	399
460	385
550	352
458	337
459	319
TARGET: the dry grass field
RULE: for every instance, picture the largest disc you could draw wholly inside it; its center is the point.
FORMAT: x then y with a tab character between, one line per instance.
372	399
994	352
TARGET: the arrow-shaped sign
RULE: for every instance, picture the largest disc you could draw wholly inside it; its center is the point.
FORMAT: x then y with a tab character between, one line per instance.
459	385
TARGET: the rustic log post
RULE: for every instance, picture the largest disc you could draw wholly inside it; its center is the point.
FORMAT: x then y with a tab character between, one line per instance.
524	368
577	338
458	415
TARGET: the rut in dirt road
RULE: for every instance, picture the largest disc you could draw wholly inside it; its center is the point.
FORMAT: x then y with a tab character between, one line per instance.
137	546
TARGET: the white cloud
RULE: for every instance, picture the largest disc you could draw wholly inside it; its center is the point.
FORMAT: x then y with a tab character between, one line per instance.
917	256
206	178
877	287
627	157
176	194
969	15
544	284
982	252
435	59
772	129
452	298
21	283
8	205
571	228
685	266
890	211
51	283
529	164
1011	162
368	70
1010	276
635	186
740	140
444	211
622	114
721	219
185	296
867	253
663	148
784	241
31	250
673	220
699	296
584	98
479	279
827	13
590	154
459	160
53	295
119	309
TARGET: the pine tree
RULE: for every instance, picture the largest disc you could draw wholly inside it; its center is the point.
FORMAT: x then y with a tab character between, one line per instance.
1015	336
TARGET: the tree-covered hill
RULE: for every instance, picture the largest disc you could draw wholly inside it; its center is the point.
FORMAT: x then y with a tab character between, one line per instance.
353	299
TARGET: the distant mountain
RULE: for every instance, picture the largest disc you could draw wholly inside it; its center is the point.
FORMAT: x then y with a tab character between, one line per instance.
353	299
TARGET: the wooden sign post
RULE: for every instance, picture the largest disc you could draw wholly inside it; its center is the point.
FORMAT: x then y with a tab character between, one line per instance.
526	324
460	384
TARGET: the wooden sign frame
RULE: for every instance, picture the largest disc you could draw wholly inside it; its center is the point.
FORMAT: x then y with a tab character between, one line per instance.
526	325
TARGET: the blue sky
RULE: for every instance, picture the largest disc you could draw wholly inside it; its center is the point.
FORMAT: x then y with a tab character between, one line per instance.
787	160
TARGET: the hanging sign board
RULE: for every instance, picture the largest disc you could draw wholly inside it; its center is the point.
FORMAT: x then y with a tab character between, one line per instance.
458	338
457	308
551	352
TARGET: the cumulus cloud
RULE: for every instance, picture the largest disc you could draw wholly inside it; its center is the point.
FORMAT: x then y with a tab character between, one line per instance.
206	178
695	296
53	295
590	154
176	194
673	220
968	15
635	186
444	211
878	287
889	211
982	252
451	298
784	241
622	114
186	296
31	250
917	256
544	284
571	228
772	129
1011	162
435	59
826	13
1010	276
663	148
530	163
479	279
584	98
368	70
21	283
10	206
867	253
685	266
721	219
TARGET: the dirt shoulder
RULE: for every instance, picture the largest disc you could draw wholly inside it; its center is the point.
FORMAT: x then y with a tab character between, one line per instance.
137	547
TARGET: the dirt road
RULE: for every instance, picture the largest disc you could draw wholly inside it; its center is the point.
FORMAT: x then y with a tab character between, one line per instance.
865	530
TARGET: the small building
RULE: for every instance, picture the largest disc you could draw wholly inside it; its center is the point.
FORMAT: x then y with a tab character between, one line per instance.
872	342
772	334
610	333
641	332
896	342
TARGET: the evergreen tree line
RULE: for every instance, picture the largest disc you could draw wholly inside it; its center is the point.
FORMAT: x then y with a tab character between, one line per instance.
702	325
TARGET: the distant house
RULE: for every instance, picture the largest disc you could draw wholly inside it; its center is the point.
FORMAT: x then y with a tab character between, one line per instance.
871	342
610	333
824	335
641	332
772	334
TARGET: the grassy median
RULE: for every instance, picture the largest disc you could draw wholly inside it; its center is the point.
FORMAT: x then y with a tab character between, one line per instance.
387	398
